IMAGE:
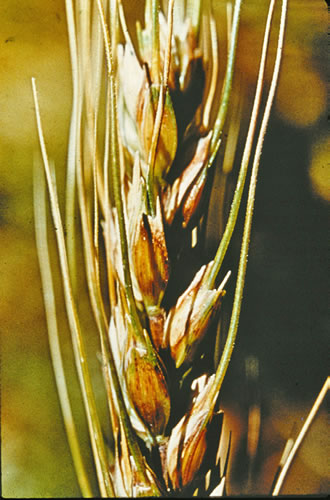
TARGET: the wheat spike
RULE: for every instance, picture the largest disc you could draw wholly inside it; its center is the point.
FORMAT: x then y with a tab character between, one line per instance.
146	130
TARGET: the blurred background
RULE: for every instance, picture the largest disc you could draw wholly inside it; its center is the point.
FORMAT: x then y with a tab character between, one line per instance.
280	361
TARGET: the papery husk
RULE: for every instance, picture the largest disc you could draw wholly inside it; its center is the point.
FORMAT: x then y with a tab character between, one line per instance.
182	196
189	439
150	258
147	387
189	320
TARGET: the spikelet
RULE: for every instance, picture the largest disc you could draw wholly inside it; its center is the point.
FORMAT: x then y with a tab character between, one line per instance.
188	321
147	386
191	437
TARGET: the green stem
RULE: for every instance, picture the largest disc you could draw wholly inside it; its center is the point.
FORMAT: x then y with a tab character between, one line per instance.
222	113
227	87
231	337
234	209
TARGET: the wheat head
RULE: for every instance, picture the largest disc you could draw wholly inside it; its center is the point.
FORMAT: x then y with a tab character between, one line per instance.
147	125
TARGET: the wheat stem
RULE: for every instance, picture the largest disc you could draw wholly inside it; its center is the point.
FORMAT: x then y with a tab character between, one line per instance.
232	331
301	435
222	113
40	217
214	75
234	209
224	102
71	160
78	343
